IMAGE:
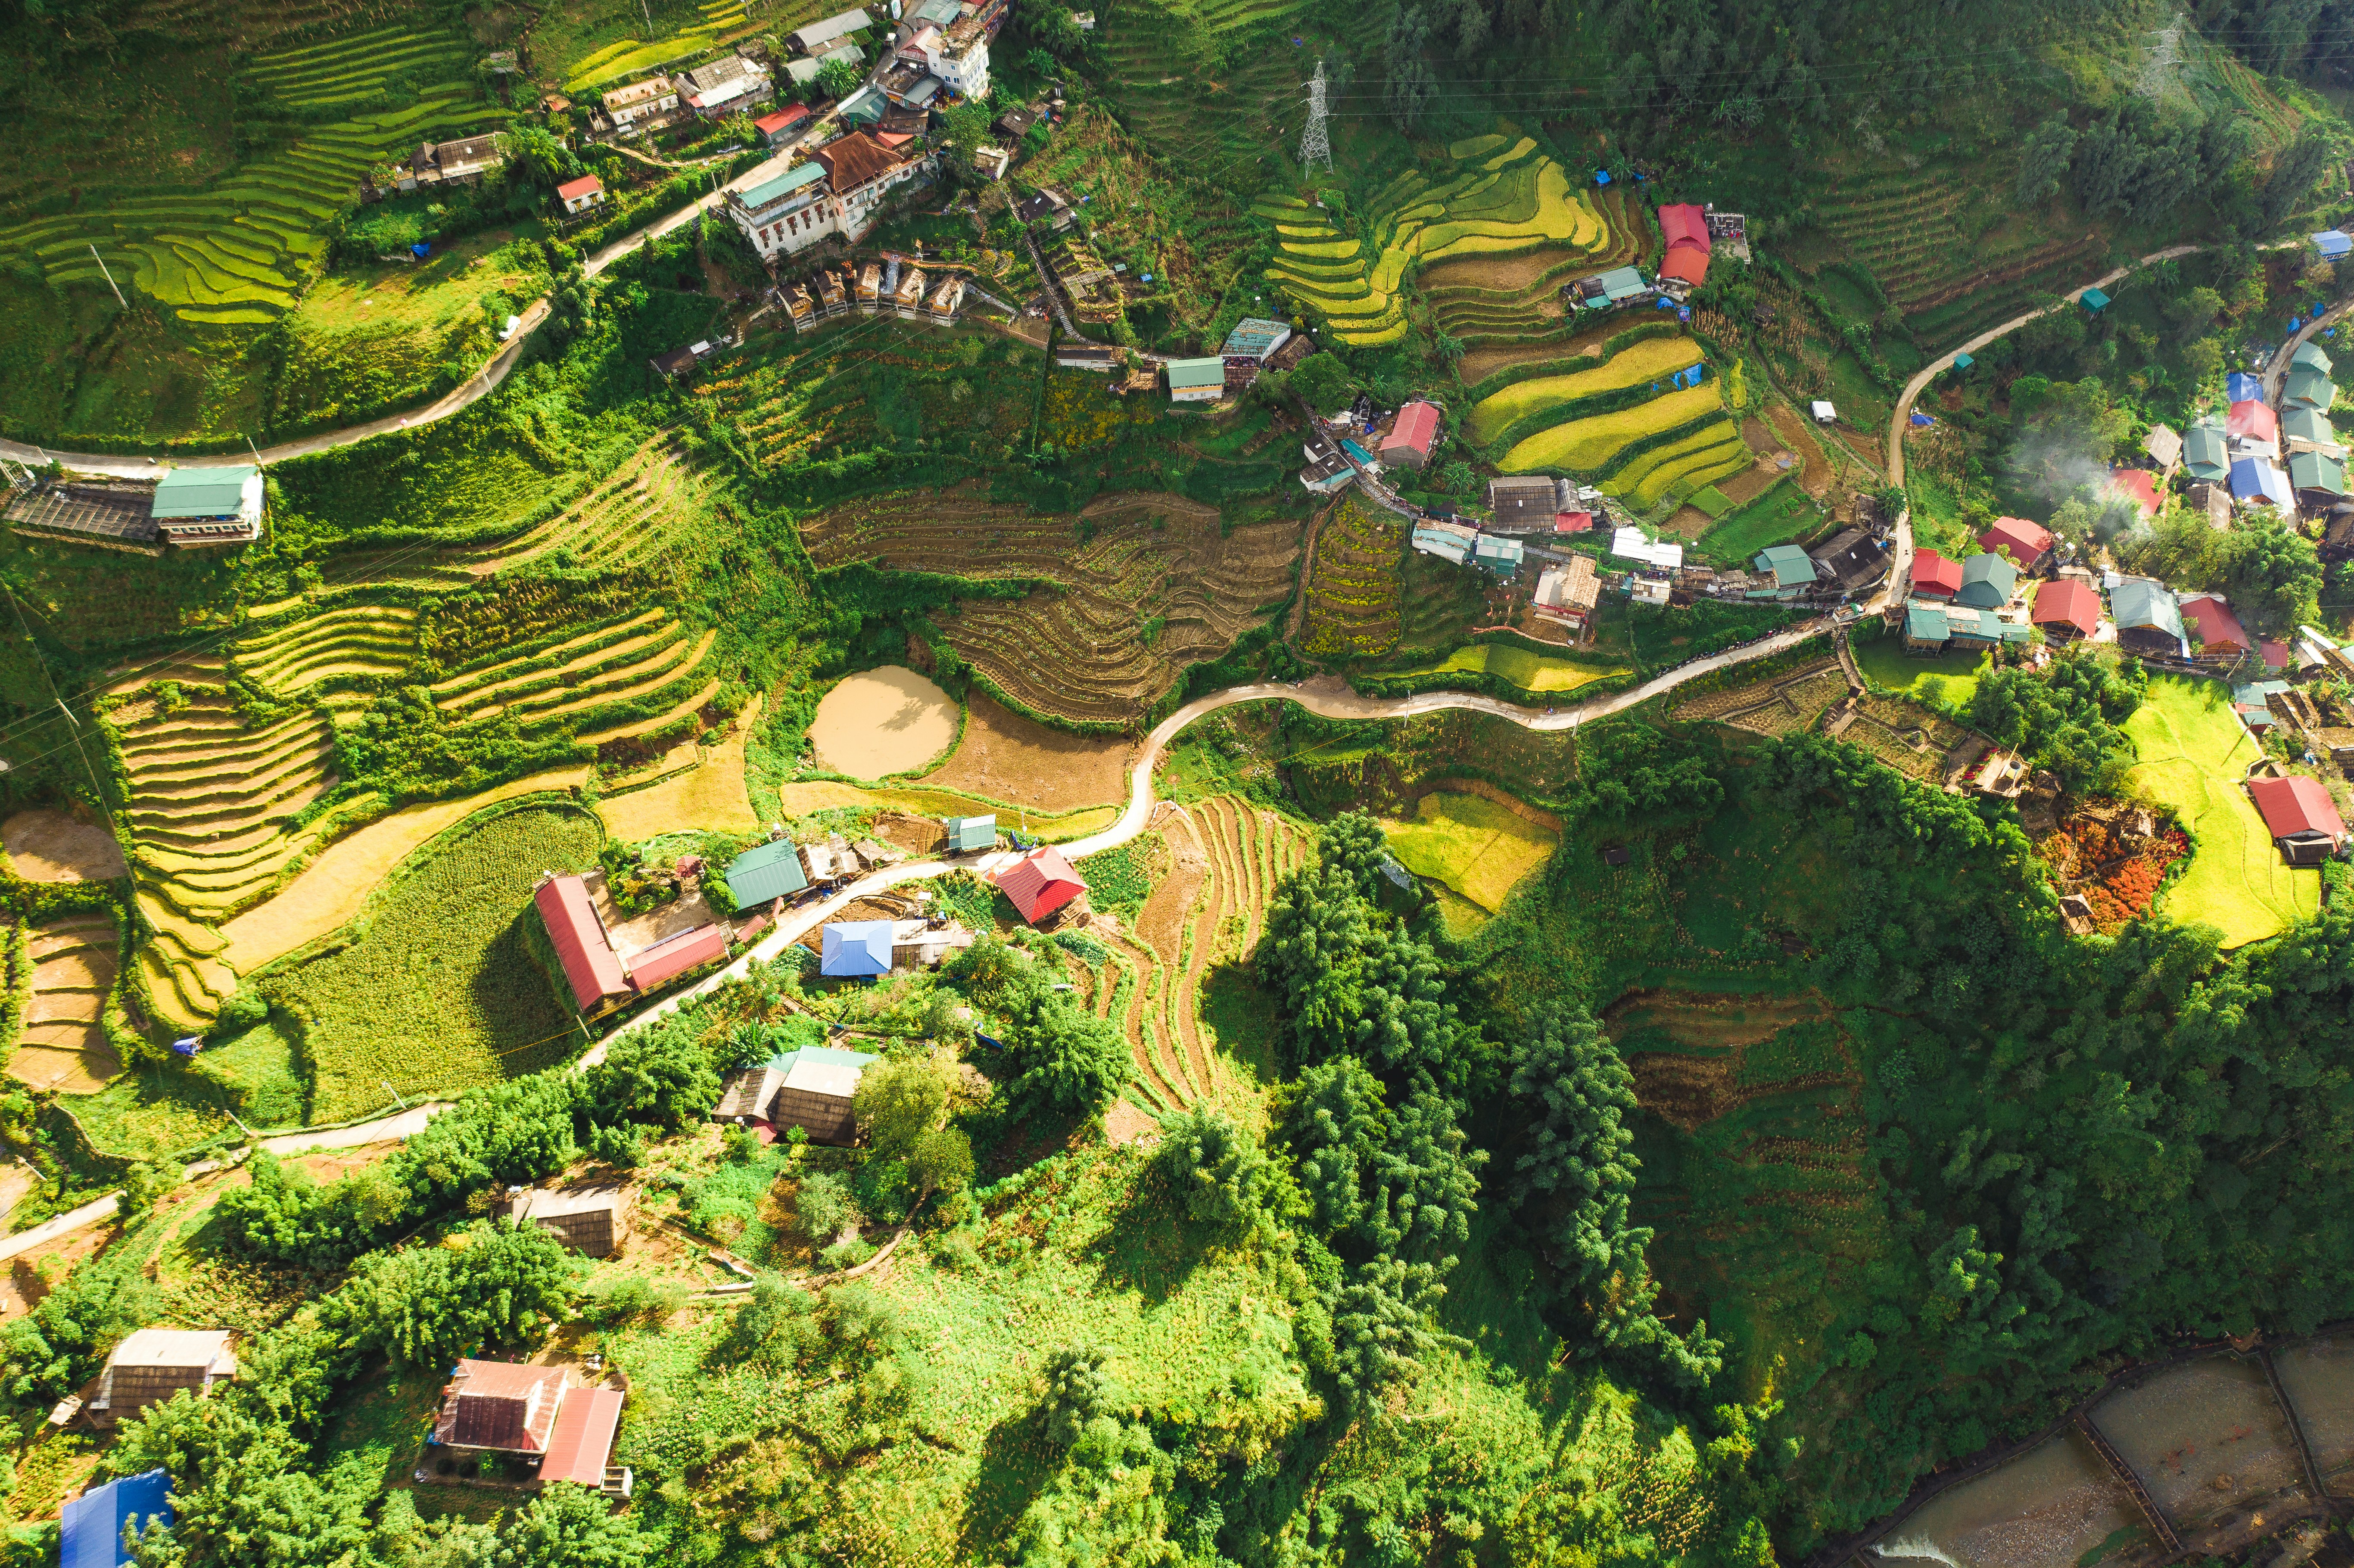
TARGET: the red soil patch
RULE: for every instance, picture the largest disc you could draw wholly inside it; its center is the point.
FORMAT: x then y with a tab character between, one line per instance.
1005	756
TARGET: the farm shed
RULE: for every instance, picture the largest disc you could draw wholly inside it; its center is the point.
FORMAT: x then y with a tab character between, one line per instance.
1988	582
580	194
2212	625
583	1441
1087	356
1499	556
1824	413
814	1086
154	1364
1524	506
674	364
89	1527
2330	245
1568	593
1791	568
1255	338
967	834
591	969
2094	300
2149	620
2067	610
855	949
2300	816
1040	883
651	968
459	163
2308	389
1448	541
817	36
1685	228
591	1220
2318	473
1620	286
1326	472
2260	479
2028	543
2163	445
1628	544
1409	441
209	505
766	872
1196	380
1936	576
2250	420
2206	454
805	72
1925	628
1853	559
110	516
500	1406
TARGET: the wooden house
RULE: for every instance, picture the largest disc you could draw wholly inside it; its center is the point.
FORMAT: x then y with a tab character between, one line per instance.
870	287
500	1407
590	1219
153	1365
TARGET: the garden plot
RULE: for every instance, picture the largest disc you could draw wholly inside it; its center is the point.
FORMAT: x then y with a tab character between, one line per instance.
348	645
2193	755
637	518
64	1046
1782	514
1351	607
1144	585
1782	705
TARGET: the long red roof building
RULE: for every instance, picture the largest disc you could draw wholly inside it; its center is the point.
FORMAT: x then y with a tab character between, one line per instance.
1685	228
2295	805
590	966
1935	576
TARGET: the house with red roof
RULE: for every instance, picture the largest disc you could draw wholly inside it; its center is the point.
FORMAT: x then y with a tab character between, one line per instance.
1410	438
784	124
2138	485
2252	420
1040	883
580	194
1685	229
2301	817
2211	623
2028	543
1935	576
2067	610
652	967
591	969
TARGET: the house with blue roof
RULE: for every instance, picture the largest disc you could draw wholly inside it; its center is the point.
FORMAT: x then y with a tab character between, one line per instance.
90	1527
855	949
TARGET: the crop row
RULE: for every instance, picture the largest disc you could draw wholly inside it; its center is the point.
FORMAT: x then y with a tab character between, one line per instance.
1587	446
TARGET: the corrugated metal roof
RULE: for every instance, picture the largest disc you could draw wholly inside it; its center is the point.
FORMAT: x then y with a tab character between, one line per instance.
90	1533
969	832
584	185
2296	804
800	177
856	948
1925	622
772	870
1988	582
590	965
583	1438
2310	354
2317	471
673	955
2137	602
1041	881
1191	375
202	491
1417	426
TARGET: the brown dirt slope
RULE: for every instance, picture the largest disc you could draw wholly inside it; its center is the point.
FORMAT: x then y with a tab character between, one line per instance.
1008	757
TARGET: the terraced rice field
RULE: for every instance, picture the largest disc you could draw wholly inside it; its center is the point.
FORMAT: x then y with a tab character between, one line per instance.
1504	200
63	1046
341	648
1353	584
1591	447
617	63
570	677
639	517
1682	467
1513	299
239	252
1129	607
1204	916
1652	360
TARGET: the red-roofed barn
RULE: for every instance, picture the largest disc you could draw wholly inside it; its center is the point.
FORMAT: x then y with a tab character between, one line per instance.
1685	229
1935	576
1040	883
2067	610
2300	816
591	968
2211	621
651	968
1409	441
2028	543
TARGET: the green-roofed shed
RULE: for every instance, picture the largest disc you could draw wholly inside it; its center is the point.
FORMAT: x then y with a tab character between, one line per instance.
772	870
2317	471
2308	389
968	833
2310	357
2095	300
1787	565
1988	582
210	492
1197	381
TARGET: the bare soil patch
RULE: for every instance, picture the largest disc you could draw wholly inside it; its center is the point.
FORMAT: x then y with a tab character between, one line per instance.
83	1068
49	845
1124	1124
882	722
1750	484
916	835
1688	523
1709	1020
1005	756
1816	474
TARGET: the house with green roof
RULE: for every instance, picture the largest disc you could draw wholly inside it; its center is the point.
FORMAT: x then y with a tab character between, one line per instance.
1792	569
2318	472
1925	627
2308	389
1196	380
2149	620
2311	426
209	505
2309	356
2207	453
1987	583
967	834
765	872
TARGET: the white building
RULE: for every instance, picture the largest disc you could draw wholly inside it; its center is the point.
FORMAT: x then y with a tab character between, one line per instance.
784	210
641	106
958	55
580	194
725	86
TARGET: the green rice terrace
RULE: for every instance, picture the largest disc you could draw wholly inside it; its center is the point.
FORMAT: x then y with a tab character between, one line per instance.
934	958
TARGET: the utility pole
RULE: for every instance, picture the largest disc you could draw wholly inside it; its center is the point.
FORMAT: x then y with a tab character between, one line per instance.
1315	142
110	278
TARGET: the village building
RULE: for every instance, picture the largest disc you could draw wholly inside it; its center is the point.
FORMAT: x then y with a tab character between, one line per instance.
1326	470
958	55
579	195
2261	480
651	968
642	106
1256	339
1196	380
1499	556
2164	446
1971	630
2066	610
765	873
592	1219
2215	631
152	1365
2027	544
90	1527
1605	291
500	1407
2317	478
1633	544
466	161
203	506
1568	593
2207	453
855	949
725	87
1684	267
2306	387
1039	884
969	835
2212	501
947	301
678	362
2310	431
2252	426
1525	506
785	125
2300	816
2139	487
817	38
862	171
803	73
2149	623
1987	583
591	969
1925	627
1853	559
810	1088
1936	576
1412	436
907	299
1787	570
1448	541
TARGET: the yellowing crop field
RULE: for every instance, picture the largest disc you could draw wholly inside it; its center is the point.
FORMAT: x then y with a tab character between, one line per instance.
1631	478
1653	359
1472	844
1586	445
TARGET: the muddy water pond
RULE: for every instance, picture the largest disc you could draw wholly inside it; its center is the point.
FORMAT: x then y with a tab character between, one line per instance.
2044	1510
2319	1379
2203	1436
883	722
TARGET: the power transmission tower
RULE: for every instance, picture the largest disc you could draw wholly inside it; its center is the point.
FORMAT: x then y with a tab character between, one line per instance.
1316	142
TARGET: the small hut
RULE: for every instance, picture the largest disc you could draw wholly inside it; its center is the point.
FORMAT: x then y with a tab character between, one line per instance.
592	1219
154	1364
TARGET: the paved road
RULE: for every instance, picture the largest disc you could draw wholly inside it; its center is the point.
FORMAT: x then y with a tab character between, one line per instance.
472	390
72	1220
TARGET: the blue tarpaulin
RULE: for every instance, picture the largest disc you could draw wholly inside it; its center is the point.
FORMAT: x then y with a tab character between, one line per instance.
1920	418
1683	313
1665	303
90	1531
1601	176
420	250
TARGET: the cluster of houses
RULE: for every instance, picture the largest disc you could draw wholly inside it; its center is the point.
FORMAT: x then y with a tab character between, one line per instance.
185	508
1690	235
789	204
2289	458
894	284
1364	440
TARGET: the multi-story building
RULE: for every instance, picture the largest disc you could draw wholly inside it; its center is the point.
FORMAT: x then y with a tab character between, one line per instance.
642	106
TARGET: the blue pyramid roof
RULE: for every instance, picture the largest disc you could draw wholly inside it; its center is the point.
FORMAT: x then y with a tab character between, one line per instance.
856	948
